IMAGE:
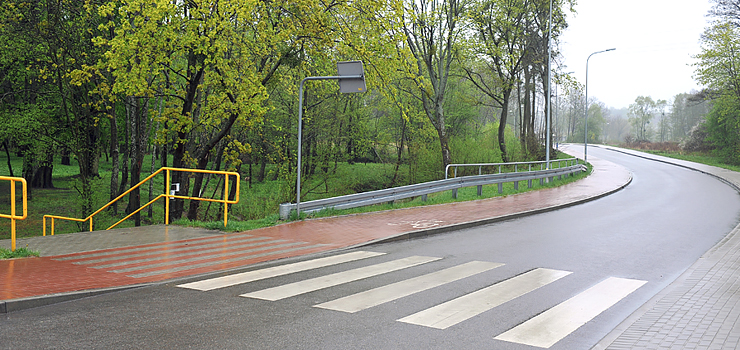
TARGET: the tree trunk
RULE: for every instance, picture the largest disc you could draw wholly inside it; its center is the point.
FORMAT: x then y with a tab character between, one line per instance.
114	151
7	153
502	126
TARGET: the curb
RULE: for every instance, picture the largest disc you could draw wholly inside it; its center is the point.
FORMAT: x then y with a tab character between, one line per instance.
7	306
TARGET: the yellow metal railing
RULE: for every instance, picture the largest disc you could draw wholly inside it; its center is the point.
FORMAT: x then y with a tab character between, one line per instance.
13	217
167	197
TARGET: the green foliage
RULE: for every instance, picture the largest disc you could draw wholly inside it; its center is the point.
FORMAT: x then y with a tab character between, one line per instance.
640	115
723	127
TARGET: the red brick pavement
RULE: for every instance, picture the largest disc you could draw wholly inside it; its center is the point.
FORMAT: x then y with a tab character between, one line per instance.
30	277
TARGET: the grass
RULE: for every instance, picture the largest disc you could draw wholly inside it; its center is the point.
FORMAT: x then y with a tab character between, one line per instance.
18	253
702	158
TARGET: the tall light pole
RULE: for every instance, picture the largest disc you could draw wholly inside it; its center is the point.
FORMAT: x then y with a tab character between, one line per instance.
585	126
351	79
549	92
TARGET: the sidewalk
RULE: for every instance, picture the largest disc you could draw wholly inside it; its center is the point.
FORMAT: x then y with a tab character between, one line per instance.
87	263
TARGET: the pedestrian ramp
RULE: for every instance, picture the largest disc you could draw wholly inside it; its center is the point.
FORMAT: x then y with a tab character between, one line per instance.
158	261
542	330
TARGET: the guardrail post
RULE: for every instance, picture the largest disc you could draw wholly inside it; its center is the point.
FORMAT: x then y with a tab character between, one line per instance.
167	199
423	198
516	185
480	190
529	183
500	188
454	193
226	198
12	215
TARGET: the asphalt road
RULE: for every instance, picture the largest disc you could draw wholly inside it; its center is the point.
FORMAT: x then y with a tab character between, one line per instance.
643	236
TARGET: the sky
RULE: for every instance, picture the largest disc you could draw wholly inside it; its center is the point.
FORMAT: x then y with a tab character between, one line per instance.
654	41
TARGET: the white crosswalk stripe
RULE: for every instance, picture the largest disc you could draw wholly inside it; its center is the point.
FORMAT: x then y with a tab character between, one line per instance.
310	285
380	295
251	276
455	311
542	330
551	326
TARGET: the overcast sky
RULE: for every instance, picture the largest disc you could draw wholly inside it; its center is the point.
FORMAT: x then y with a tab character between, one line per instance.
654	41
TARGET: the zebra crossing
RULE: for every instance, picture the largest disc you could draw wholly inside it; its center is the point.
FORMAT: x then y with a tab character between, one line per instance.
543	330
163	260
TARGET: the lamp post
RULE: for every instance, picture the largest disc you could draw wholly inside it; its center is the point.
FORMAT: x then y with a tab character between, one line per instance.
585	126
351	77
548	127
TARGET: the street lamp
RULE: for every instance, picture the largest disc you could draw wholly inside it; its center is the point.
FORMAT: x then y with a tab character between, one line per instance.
549	92
585	126
351	77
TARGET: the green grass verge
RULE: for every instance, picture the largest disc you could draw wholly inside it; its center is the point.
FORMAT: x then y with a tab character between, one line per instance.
702	158
18	253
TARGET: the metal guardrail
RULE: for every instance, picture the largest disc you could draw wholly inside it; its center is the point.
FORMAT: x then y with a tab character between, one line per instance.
12	216
168	171
423	189
514	165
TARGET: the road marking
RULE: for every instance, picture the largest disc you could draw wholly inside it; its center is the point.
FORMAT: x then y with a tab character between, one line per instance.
180	260
177	266
310	285
473	304
250	276
384	294
162	246
549	327
173	255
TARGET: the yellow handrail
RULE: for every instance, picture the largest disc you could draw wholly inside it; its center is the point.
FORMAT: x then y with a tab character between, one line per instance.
13	217
167	196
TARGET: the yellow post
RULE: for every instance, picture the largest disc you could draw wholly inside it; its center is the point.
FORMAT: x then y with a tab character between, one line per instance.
226	198
167	199
91	224
12	215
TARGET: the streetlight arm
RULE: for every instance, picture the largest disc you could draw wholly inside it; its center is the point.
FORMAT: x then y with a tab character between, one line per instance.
585	126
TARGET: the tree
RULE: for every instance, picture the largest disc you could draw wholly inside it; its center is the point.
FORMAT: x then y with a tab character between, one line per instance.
432	28
500	31
59	93
640	114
